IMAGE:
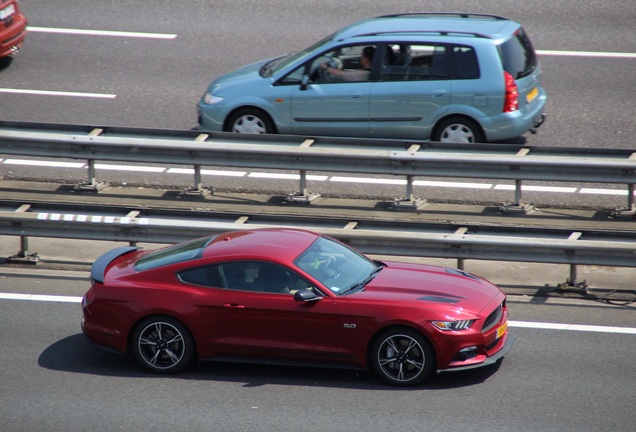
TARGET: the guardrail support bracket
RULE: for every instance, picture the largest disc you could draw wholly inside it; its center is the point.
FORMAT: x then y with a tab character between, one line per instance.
24	257
409	203
523	208
302	198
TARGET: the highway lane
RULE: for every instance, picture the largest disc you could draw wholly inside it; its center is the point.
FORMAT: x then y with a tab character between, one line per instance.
552	380
155	81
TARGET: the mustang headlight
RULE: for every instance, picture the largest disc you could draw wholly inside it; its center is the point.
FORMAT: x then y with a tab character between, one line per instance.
210	99
453	325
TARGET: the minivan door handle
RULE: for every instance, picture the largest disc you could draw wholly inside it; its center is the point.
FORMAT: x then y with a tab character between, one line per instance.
439	93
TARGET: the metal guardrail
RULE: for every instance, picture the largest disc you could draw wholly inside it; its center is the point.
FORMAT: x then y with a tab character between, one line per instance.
416	239
387	157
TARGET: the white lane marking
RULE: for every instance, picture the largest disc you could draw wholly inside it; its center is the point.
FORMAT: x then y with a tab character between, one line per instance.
367	180
337	179
58	93
207	172
586	53
463	185
87	32
538	188
517	324
129	168
286	176
44	163
573	327
41	297
603	191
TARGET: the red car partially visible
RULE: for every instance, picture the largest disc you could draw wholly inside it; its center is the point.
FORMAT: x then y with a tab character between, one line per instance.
12	27
291	296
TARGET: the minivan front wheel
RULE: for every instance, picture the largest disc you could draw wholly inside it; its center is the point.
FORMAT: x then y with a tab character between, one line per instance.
250	121
458	130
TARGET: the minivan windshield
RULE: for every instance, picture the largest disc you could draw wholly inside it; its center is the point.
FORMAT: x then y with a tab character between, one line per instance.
518	56
280	63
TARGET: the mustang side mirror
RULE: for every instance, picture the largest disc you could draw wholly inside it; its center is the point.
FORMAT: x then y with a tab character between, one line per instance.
306	295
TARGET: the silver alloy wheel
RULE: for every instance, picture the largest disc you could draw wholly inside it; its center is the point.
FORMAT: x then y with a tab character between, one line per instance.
401	358
161	345
249	124
457	133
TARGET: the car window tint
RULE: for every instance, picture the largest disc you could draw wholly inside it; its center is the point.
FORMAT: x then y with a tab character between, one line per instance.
465	65
262	277
206	276
414	62
173	254
518	56
346	63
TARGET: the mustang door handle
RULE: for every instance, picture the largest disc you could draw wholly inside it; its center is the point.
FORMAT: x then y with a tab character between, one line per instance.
233	305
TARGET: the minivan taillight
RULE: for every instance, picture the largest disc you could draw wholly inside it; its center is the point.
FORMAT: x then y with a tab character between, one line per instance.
511	102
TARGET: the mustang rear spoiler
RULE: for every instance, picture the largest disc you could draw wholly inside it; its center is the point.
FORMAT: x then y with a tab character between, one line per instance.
99	266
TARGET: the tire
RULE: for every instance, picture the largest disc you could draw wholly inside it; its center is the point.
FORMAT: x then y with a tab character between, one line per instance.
250	121
402	357
162	345
458	130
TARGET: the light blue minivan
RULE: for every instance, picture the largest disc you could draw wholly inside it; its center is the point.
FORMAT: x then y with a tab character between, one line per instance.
450	77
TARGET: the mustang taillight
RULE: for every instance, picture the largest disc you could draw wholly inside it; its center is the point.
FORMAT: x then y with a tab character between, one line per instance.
511	101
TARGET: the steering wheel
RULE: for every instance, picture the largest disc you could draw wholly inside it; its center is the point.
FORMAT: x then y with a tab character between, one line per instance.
321	74
329	269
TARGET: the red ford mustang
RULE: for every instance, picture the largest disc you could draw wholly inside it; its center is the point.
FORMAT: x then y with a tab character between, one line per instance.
291	296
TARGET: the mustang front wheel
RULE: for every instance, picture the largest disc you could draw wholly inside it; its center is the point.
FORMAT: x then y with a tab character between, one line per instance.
402	357
162	345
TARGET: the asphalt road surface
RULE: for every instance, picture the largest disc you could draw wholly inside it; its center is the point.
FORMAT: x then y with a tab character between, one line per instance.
574	373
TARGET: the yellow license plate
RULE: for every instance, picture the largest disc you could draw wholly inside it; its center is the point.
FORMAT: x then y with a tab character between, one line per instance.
501	330
532	94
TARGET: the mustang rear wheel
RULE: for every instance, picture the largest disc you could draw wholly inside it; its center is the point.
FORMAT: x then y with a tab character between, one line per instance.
162	345
402	357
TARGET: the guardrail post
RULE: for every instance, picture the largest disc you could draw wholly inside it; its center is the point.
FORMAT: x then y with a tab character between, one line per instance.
92	185
23	257
197	190
303	197
517	206
630	211
571	284
409	201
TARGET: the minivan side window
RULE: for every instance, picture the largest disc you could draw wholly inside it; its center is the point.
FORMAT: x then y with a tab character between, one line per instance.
465	65
414	62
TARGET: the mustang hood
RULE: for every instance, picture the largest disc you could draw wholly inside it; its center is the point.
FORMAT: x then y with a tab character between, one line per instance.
413	282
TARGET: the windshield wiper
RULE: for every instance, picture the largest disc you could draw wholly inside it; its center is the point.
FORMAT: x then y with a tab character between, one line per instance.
360	285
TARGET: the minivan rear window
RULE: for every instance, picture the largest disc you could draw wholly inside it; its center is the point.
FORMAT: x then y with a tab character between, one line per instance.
517	55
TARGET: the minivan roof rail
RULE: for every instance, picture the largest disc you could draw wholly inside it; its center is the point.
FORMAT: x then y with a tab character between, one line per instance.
449	14
439	32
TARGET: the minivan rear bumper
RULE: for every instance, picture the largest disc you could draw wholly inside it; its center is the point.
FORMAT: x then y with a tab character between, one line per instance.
513	124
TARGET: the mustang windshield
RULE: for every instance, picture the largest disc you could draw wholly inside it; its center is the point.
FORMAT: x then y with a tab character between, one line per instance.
336	266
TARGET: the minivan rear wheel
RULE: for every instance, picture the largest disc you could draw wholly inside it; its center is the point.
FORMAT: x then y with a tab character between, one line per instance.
458	130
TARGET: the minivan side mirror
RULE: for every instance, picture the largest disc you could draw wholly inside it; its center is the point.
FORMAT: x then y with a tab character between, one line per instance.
304	82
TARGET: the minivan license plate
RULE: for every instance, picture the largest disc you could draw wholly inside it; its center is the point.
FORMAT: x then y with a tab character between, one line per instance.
532	94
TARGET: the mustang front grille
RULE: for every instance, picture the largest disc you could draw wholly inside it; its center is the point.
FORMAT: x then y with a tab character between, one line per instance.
493	319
